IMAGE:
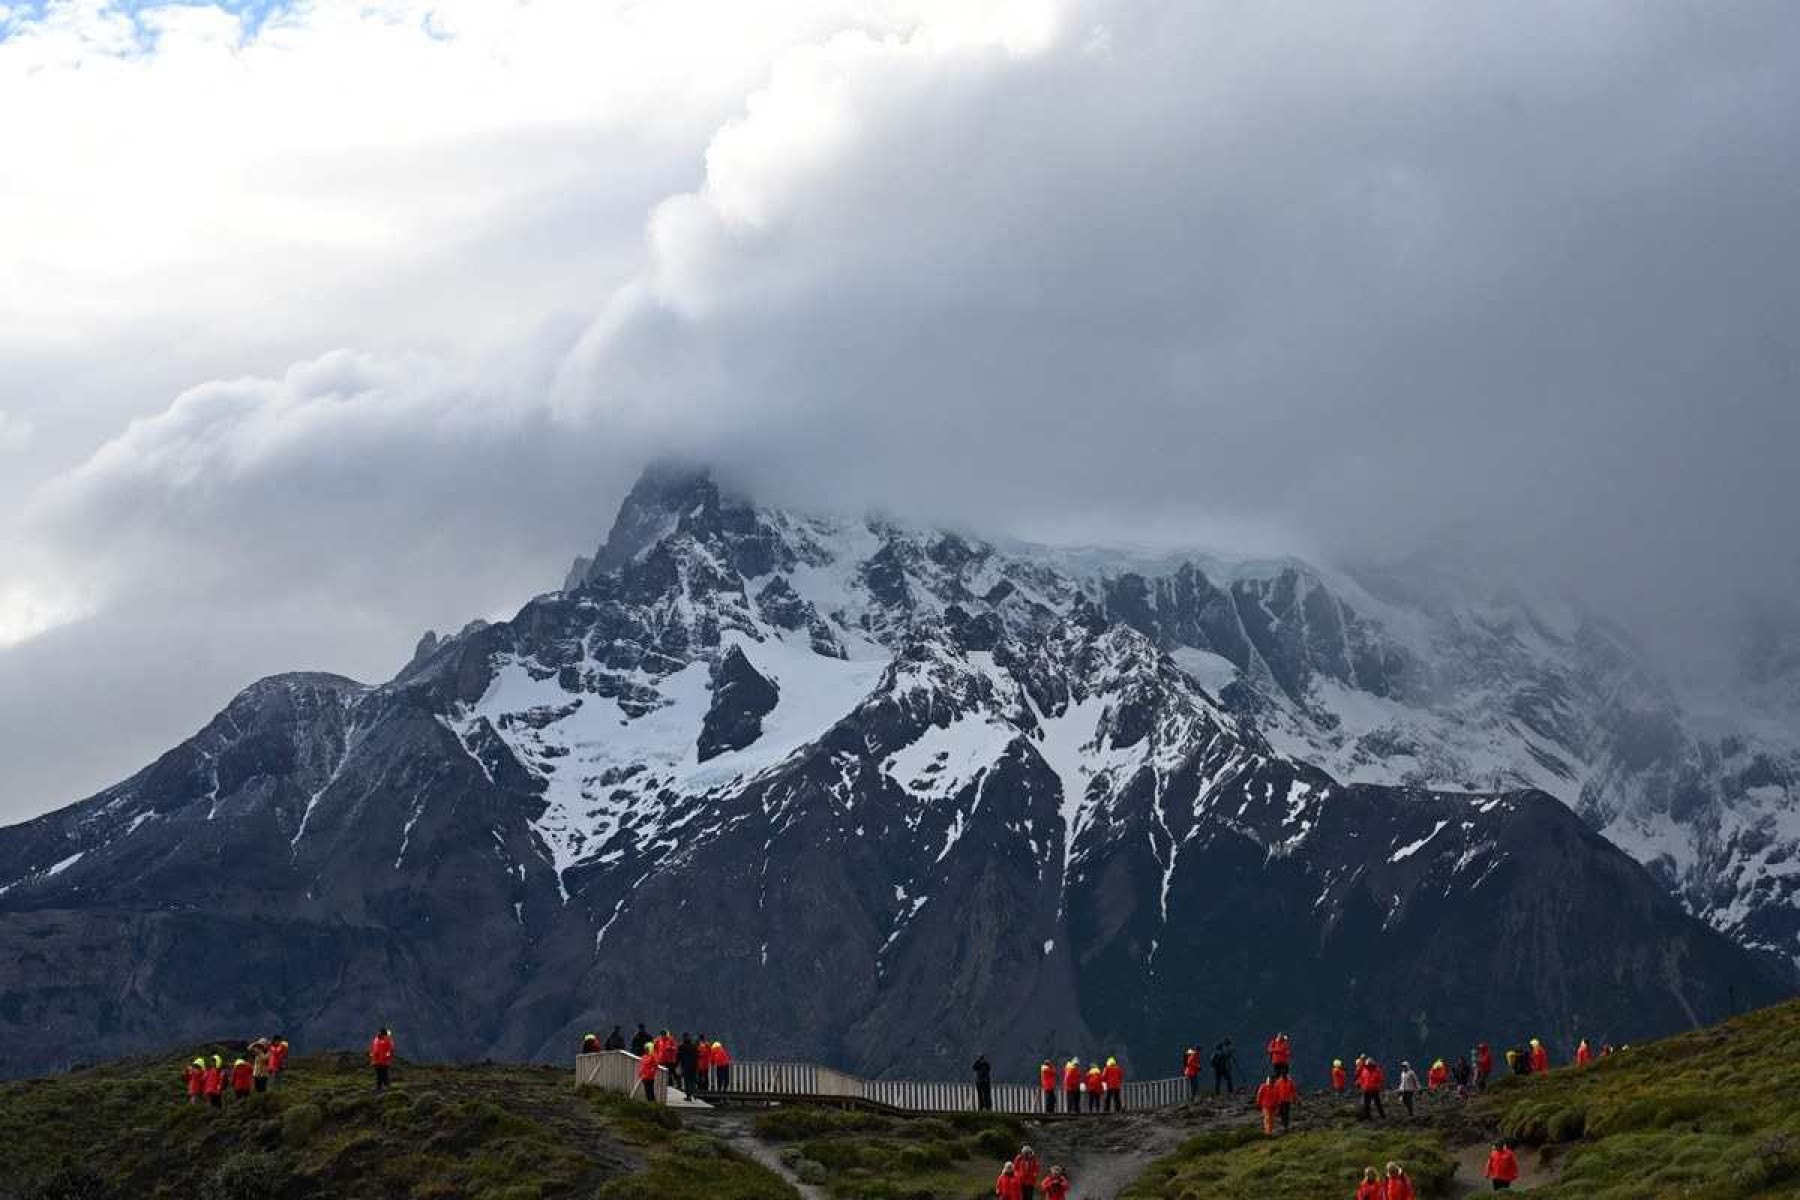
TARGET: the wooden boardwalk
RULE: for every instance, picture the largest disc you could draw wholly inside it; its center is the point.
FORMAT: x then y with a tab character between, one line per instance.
616	1071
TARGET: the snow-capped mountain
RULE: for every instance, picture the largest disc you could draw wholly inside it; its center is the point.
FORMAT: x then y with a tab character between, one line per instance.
859	793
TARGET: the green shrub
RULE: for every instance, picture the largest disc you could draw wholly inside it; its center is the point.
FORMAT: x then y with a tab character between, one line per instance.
299	1123
1566	1124
72	1181
250	1175
811	1172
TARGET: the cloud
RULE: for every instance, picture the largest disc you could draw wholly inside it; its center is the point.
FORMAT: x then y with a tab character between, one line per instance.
1513	279
15	432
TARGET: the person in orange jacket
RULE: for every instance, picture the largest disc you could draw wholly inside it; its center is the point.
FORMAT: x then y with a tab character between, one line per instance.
1540	1057
381	1056
1502	1167
1281	1053
1583	1056
1096	1085
242	1078
1056	1184
1370	1079
1484	1066
1006	1187
1025	1170
1340	1078
194	1076
1047	1084
646	1073
668	1053
1268	1099
1190	1070
278	1056
1438	1076
703	1064
213	1082
1371	1187
1071	1081
1113	1078
1399	1187
721	1065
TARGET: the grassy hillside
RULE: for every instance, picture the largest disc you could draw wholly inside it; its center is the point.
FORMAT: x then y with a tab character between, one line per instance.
468	1133
1706	1116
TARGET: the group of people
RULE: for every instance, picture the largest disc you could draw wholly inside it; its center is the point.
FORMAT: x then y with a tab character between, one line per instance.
208	1080
694	1064
1022	1178
1104	1086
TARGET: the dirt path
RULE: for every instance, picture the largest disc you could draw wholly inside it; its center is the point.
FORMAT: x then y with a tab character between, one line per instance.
1105	1155
737	1133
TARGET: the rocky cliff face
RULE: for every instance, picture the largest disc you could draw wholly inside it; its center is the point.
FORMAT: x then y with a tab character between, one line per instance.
845	791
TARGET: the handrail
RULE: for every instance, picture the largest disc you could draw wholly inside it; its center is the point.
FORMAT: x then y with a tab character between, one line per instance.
616	1071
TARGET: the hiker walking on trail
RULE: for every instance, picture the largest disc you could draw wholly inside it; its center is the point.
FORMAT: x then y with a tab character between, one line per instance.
259	1067
381	1056
242	1078
278	1055
1095	1086
1370	1079
1540	1058
1409	1086
1056	1184
1190	1070
1438	1076
984	1084
1484	1066
213	1083
1025	1170
1281	1053
194	1076
1269	1101
1223	1061
1371	1187
1047	1083
1462	1073
1071	1080
1007	1186
1502	1167
1113	1079
646	1073
1583	1056
1399	1187
1340	1078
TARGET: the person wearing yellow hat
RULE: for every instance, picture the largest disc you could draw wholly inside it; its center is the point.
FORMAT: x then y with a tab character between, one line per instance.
194	1075
721	1065
1095	1086
1047	1085
1071	1081
1113	1079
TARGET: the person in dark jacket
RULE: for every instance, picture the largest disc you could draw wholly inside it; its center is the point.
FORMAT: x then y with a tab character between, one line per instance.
641	1041
984	1085
1222	1062
615	1040
687	1056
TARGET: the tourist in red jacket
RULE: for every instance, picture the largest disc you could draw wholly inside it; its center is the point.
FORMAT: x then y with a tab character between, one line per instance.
1006	1187
1071	1081
1268	1099
1502	1167
381	1056
1484	1065
1340	1078
278	1056
703	1063
214	1082
1399	1187
242	1078
1583	1056
721	1063
1056	1184
194	1075
646	1073
1281	1053
1371	1187
1190	1070
1288	1095
1025	1170
1047	1085
1113	1080
1540	1057
1370	1079
1438	1076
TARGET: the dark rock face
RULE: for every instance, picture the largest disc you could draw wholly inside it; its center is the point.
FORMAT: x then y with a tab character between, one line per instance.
839	792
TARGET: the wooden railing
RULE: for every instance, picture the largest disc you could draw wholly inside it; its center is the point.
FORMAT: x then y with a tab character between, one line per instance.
616	1071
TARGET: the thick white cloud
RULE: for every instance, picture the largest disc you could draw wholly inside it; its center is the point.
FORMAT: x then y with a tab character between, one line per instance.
1516	276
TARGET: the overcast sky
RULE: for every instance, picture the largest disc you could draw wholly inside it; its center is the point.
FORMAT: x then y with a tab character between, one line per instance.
325	323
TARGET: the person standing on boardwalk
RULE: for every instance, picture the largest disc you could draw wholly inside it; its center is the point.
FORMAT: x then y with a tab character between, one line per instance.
687	1061
381	1056
703	1056
614	1040
721	1062
1047	1082
1190	1070
646	1073
1095	1087
1071	1081
1113	1080
641	1041
984	1084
